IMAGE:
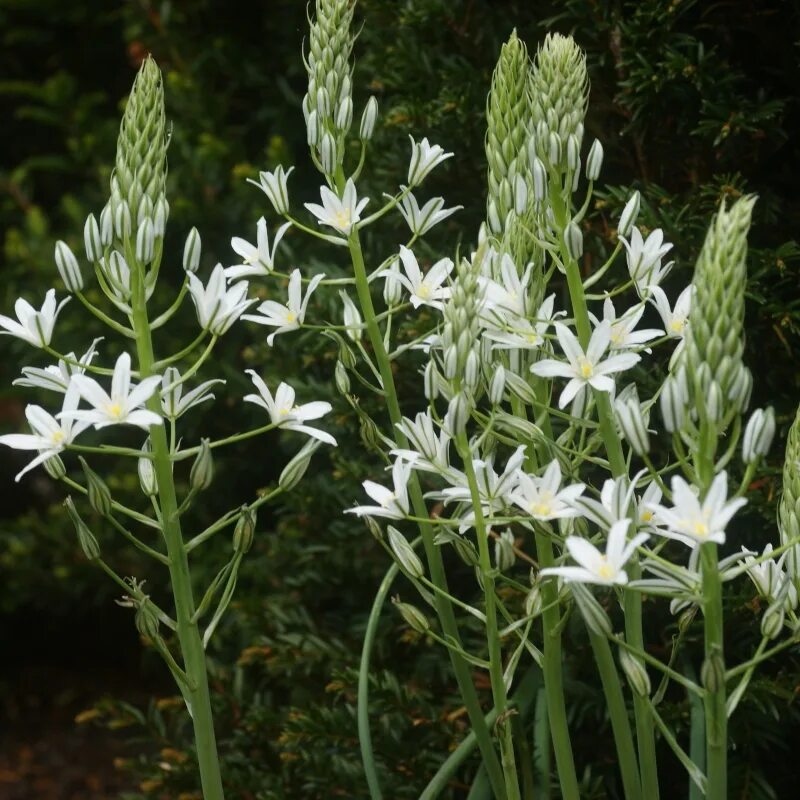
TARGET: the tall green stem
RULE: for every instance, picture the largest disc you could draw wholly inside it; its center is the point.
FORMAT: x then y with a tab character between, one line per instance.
492	635
444	608
194	662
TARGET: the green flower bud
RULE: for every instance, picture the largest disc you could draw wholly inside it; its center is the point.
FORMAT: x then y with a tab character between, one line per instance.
592	612
293	472
504	556
636	672
629	214
594	161
97	492
87	541
342	378
758	435
573	239
244	531
773	620
404	553
712	673
412	615
141	164
147	473
146	619
202	472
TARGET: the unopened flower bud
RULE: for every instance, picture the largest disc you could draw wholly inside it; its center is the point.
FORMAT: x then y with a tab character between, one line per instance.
758	435
202	472
106	226
629	214
191	251
122	219
147	473
592	612
773	620
327	154
68	267
118	273
472	370
293	472
404	553
352	317
412	615
520	195
553	148
312	129
392	288
86	539
594	161
533	601
244	531
92	241
539	180
344	116
96	490
673	402
458	411
636	672
631	422
160	217
498	386
323	102
146	619
451	362
145	241
573	239
368	119
431	382
494	217
573	153
145	210
712	673
713	402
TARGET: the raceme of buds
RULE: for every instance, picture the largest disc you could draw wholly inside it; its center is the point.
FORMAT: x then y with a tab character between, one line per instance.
368	119
141	163
758	435
559	93
507	115
202	472
404	553
629	214
191	251
86	539
97	492
716	318
789	512
68	267
412	615
244	531
293	472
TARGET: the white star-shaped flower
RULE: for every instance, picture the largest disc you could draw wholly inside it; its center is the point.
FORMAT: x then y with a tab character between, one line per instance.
34	327
584	367
421	220
339	213
258	259
392	503
217	305
56	377
425	157
606	569
288	317
675	319
644	259
283	411
623	335
50	435
425	290
173	402
122	406
542	497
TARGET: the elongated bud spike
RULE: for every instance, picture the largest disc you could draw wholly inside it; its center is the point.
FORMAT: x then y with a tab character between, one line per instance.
789	513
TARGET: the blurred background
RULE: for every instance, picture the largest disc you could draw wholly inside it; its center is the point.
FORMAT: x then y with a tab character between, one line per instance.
694	102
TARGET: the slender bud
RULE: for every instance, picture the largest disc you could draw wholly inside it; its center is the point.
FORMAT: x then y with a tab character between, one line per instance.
160	217
504	556
312	129
520	195
573	239
533	601
97	492
92	241
430	382
244	531
341	377
594	161
122	220
86	539
789	513
191	251
573	153
202	472
412	615
352	317
368	119
592	612
673	401
147	473
629	214
404	553
458	412
632	424
327	154
106	226
773	620
145	242
539	180
293	472
758	435
68	267
636	672
498	386
472	368
344	116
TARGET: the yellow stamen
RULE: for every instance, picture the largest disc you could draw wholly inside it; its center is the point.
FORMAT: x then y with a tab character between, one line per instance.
586	367
343	219
114	410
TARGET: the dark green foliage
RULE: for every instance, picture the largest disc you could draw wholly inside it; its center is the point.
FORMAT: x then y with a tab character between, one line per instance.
693	102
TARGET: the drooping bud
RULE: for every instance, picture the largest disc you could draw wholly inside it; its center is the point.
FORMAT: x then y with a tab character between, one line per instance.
68	267
293	472
97	492
202	472
86	539
141	163
191	251
404	553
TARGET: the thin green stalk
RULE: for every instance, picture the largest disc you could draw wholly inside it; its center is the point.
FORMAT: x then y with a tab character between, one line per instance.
434	558
196	692
492	637
618	714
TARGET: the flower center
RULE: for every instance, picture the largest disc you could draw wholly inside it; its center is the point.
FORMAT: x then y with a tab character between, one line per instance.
424	292
605	570
58	437
114	410
617	334
388	500
343	219
677	324
700	529
585	367
290	316
647	516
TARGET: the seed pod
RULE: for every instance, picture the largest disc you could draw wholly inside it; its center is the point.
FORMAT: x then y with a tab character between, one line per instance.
202	472
712	673
97	492
573	239
294	471
244	531
146	619
147	473
87	541
412	615
404	553
341	378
